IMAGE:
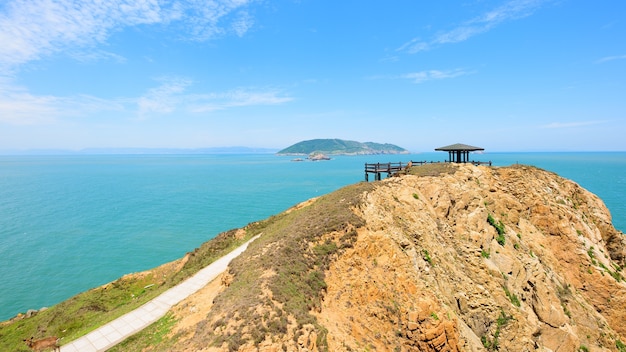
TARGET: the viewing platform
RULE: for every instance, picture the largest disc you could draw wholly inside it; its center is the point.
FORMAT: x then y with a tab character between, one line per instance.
458	153
393	168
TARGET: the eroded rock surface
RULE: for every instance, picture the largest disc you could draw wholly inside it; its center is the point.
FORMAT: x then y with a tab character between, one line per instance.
428	272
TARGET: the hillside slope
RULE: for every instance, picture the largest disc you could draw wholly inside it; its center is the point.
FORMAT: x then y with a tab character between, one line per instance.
446	258
470	259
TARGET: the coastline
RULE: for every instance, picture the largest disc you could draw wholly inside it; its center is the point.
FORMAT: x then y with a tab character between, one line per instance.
155	223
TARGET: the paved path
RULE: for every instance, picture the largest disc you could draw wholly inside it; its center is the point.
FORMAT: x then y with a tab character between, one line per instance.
119	329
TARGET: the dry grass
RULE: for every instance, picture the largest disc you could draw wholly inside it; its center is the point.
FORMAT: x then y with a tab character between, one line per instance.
295	247
433	169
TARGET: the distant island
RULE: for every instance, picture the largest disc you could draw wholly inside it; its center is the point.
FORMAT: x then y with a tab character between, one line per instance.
340	147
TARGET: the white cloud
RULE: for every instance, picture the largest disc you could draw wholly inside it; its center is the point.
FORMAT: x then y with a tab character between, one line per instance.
572	124
33	29
511	10
427	75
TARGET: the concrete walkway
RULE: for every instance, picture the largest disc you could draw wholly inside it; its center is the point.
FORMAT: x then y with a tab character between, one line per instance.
119	329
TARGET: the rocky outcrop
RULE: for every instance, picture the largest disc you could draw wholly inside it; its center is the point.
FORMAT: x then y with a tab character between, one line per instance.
472	259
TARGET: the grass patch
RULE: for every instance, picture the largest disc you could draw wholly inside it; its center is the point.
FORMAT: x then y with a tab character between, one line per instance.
433	169
485	254
89	310
621	347
155	334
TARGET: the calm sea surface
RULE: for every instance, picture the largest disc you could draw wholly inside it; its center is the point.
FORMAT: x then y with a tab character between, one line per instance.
70	223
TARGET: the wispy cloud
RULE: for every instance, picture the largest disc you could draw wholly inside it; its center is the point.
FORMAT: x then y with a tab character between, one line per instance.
558	125
610	58
33	29
427	75
511	10
20	107
237	98
164	98
173	95
423	76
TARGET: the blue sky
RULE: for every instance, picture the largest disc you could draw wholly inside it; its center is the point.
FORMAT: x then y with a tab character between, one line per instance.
506	75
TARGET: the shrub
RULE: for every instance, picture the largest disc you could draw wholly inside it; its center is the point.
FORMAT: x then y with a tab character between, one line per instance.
427	257
621	347
499	226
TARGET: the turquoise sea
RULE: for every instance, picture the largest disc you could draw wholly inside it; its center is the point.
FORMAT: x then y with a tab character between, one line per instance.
69	223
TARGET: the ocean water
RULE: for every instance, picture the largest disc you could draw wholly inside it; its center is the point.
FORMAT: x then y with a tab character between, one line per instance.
69	223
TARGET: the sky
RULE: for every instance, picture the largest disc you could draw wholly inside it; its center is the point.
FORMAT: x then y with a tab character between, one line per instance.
504	75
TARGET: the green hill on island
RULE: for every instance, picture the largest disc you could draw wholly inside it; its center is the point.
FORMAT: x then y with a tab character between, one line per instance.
340	146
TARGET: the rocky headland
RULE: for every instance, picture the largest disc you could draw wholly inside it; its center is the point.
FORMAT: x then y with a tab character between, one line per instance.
445	257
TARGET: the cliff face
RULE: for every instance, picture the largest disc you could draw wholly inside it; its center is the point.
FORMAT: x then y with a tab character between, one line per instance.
459	258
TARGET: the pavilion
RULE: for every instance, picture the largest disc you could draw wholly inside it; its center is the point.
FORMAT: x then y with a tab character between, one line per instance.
459	153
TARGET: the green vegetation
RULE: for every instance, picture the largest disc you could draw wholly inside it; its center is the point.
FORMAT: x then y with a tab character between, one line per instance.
89	310
615	274
512	297
485	254
155	334
591	254
492	344
434	315
427	257
499	226
621	347
340	146
583	348
416	196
